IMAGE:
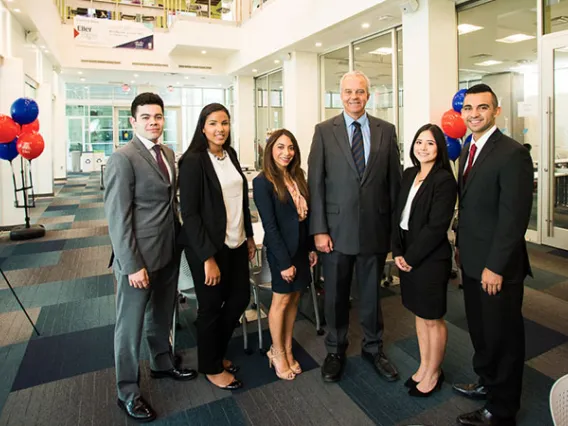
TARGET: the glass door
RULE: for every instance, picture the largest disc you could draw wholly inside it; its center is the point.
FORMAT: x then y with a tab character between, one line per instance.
123	129
554	169
172	129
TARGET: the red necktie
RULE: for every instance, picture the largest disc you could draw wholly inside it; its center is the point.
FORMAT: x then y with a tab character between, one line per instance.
472	151
160	161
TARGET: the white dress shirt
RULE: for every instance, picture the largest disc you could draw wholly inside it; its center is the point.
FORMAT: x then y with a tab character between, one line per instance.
480	144
150	145
406	212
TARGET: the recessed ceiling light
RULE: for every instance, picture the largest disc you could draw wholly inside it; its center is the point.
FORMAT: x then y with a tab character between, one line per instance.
365	25
254	70
488	63
204	52
135	75
132	81
357	48
318	44
177	83
17	10
80	72
382	51
276	61
220	85
186	77
467	28
46	51
515	38
281	87
42	46
385	18
82	79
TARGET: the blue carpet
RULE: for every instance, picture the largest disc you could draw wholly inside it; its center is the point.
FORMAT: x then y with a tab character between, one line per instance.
39	247
219	413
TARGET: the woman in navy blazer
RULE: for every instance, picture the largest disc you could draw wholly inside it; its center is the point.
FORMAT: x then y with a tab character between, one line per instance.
281	195
422	251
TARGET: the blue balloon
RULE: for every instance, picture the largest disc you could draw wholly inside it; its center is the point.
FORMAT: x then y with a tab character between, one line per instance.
24	111
8	150
454	148
457	102
467	140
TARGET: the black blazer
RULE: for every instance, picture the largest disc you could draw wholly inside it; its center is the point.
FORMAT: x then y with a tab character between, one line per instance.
280	223
202	206
431	213
495	208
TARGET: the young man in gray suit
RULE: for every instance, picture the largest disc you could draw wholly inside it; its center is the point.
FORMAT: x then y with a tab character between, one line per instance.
141	209
354	178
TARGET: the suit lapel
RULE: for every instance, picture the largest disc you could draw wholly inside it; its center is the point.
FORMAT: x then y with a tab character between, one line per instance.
487	148
340	132
420	191
405	190
376	140
463	159
148	157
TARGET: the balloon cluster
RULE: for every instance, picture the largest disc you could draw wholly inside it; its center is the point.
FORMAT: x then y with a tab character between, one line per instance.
19	133
454	126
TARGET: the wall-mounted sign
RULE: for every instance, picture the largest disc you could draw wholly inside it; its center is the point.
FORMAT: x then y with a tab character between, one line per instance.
110	33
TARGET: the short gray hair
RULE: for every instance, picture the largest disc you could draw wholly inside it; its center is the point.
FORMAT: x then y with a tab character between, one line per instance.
355	73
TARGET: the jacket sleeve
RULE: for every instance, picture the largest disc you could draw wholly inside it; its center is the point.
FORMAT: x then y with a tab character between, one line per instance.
397	249
395	172
191	201
118	204
316	183
439	219
264	199
515	203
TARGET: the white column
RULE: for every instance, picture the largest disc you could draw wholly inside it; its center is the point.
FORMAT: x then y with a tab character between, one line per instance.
243	121
11	88
301	99
42	167
430	70
59	132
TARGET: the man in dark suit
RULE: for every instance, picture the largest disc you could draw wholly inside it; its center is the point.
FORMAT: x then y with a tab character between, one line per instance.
141	209
354	179
495	198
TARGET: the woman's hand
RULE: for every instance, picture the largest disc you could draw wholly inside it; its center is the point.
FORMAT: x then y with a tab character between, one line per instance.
401	264
212	272
251	246
313	259
289	274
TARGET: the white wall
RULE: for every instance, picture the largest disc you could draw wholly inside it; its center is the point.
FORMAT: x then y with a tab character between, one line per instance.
244	119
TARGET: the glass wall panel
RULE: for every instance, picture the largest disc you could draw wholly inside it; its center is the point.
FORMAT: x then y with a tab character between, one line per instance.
333	66
555	16
269	110
498	46
400	127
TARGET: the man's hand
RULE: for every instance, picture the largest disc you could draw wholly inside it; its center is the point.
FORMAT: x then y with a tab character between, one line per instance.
139	279
323	243
289	274
491	282
212	272
313	259
401	264
251	246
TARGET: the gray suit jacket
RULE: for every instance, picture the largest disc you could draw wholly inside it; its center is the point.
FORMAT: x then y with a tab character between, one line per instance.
356	212
141	209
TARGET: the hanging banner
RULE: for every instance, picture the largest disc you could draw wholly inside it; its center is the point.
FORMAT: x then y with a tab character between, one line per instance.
110	33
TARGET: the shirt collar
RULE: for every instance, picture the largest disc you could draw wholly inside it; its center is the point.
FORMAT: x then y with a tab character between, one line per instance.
483	139
147	143
363	120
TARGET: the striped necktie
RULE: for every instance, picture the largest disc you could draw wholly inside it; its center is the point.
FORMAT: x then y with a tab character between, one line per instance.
357	148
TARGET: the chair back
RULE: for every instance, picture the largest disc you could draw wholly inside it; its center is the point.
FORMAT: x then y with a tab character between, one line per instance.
559	401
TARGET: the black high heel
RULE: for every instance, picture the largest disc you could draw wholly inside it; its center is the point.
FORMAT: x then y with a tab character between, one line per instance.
415	392
410	383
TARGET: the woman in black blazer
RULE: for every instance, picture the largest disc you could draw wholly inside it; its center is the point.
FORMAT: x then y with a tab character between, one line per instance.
422	252
217	237
281	195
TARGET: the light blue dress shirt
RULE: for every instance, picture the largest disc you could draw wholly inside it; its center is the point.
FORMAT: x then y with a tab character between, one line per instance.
365	129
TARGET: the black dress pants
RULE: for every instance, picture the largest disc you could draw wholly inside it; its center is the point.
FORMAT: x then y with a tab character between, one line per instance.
221	306
497	332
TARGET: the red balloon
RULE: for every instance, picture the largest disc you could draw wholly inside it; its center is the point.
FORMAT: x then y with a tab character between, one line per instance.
9	129
30	145
453	124
32	127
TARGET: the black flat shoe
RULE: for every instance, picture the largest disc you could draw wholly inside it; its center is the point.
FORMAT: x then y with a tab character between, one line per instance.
332	367
418	393
234	385
181	374
233	369
138	410
471	390
410	383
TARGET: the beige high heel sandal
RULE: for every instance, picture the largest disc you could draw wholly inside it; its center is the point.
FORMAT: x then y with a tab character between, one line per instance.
273	354
296	366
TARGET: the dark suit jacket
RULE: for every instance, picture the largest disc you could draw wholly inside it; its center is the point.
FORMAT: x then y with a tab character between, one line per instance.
494	210
202	206
356	212
431	213
280	222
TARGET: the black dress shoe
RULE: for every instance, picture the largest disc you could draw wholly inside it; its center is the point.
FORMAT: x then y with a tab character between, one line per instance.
174	373
483	417
234	385
382	365
471	390
138	410
233	369
418	393
332	367
410	383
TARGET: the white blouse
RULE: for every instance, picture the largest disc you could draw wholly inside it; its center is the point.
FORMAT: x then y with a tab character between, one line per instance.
232	186
406	212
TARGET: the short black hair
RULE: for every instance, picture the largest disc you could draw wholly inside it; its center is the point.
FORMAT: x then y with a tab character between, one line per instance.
146	98
483	88
442	158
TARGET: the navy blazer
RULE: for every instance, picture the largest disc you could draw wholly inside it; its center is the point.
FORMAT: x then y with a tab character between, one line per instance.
280	222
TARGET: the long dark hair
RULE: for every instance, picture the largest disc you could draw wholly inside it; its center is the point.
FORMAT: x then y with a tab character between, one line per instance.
442	159
199	142
275	175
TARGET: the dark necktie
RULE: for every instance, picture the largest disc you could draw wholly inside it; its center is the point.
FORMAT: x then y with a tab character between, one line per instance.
472	151
357	148
157	149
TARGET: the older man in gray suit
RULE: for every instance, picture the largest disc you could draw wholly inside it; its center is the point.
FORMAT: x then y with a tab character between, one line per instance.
354	179
141	209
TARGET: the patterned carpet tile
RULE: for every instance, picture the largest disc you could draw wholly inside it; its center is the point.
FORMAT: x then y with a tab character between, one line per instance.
10	359
547	310
552	363
543	279
15	326
559	290
36	260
